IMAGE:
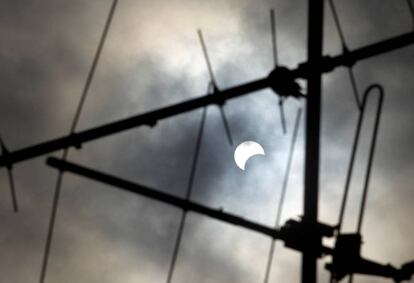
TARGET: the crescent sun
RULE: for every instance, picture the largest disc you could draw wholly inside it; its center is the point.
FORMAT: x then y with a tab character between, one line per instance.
245	151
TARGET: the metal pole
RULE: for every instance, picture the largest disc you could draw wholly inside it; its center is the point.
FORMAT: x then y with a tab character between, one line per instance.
185	204
313	107
150	118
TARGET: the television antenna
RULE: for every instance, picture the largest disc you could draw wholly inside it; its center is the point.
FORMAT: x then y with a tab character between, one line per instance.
305	235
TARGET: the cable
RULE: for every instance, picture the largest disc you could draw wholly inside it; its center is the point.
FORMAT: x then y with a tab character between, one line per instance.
283	192
59	180
189	190
345	49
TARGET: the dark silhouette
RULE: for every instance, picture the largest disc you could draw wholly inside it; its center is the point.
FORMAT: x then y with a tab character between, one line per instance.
304	236
346	260
150	118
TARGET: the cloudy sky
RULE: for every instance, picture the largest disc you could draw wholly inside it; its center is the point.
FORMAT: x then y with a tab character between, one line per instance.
153	58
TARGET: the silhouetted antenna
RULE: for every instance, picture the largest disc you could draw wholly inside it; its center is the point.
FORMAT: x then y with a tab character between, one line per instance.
4	152
65	153
274	81
216	91
276	61
372	146
283	193
304	236
345	50
367	92
177	244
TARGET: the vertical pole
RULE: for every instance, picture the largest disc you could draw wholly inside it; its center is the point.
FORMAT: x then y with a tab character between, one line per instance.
313	109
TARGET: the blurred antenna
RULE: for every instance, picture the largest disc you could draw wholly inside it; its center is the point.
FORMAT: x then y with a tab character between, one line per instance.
304	236
216	91
4	152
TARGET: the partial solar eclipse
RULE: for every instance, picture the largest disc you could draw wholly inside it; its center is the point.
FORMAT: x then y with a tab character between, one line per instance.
245	151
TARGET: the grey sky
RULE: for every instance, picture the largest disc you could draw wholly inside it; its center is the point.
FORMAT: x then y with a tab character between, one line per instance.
152	58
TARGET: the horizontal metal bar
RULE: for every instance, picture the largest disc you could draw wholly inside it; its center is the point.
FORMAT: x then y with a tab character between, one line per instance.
349	58
151	118
373	50
163	197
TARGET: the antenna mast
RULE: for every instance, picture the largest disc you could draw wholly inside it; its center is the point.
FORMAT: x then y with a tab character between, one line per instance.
313	106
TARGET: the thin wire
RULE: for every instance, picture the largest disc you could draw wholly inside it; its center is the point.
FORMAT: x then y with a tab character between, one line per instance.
59	180
345	49
283	193
274	38
189	191
411	8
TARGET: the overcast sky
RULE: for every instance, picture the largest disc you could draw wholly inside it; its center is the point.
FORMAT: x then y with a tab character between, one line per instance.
153	58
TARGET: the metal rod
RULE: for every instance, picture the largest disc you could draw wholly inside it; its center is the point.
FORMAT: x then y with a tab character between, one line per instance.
283	193
282	114
313	110
163	197
274	38
12	190
214	84
193	170
59	181
150	118
372	148
206	57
